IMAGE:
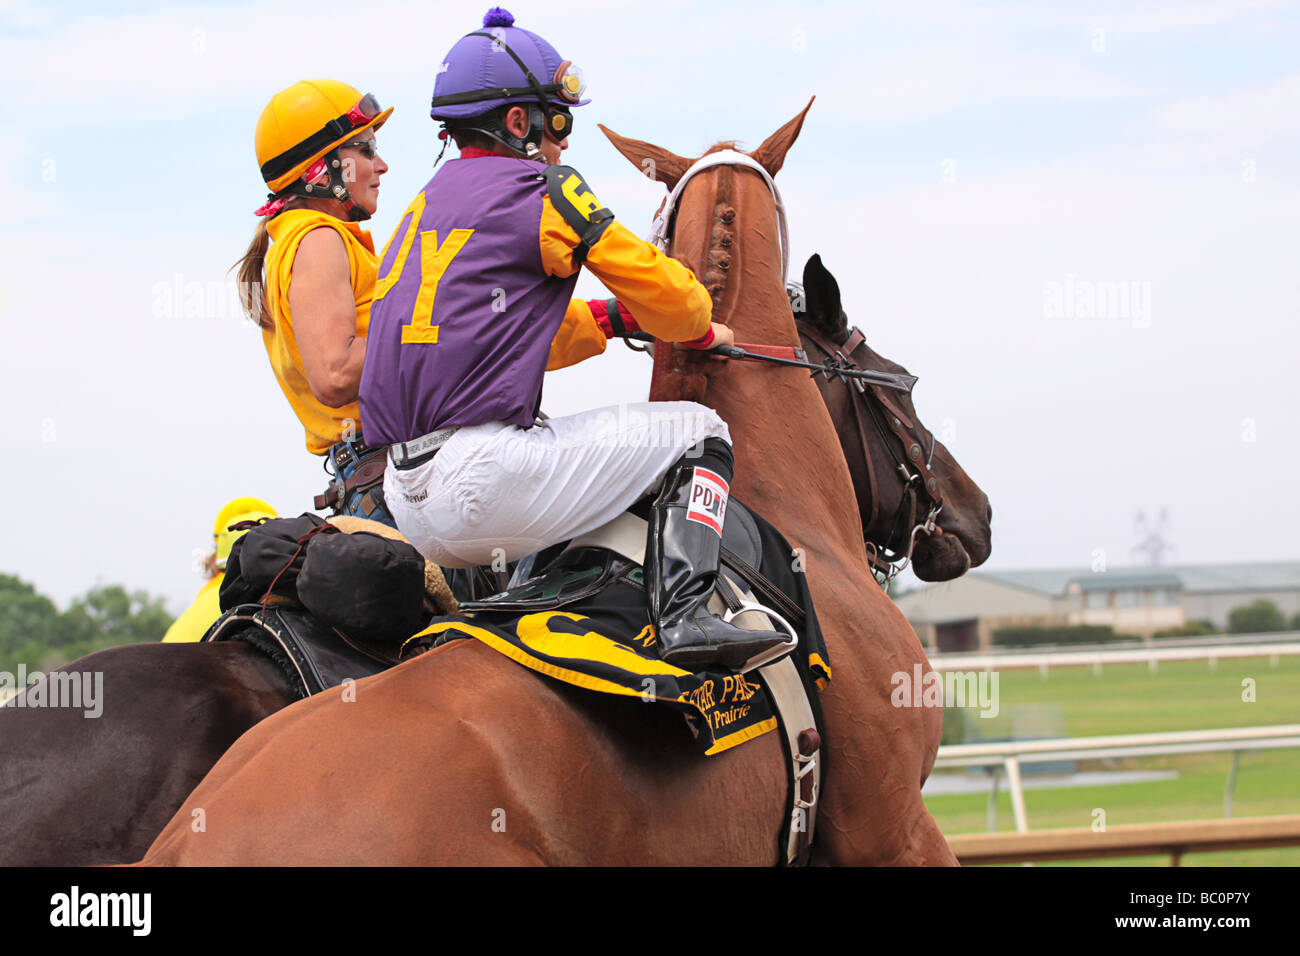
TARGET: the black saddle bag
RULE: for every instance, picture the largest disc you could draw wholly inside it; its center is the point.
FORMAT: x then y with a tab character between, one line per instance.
269	558
368	587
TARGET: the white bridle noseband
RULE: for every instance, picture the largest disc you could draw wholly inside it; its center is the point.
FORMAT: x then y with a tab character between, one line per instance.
726	157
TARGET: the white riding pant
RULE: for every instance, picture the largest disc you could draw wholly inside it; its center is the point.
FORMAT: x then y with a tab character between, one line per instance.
499	492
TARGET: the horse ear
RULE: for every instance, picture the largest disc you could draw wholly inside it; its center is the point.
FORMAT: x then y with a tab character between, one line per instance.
822	298
653	161
771	155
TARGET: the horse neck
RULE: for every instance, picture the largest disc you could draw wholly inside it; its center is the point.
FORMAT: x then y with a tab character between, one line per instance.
789	465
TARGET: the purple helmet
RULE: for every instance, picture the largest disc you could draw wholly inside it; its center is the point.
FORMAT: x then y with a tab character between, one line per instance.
503	64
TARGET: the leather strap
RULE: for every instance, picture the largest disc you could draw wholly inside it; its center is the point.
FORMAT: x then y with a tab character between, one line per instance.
803	748
772	595
855	339
913	462
775	351
615	318
368	474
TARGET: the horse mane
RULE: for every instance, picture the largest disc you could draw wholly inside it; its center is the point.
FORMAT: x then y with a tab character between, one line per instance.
691	383
722	238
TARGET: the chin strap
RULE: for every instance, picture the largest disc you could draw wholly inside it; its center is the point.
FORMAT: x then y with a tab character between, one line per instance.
490	124
305	186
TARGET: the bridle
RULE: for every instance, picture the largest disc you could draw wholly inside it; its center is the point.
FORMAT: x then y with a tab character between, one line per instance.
921	487
889	558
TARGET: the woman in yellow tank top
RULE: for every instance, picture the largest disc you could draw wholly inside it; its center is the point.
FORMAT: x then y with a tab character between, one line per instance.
308	276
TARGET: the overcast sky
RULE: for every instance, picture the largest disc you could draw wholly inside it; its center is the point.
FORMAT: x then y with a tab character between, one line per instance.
974	175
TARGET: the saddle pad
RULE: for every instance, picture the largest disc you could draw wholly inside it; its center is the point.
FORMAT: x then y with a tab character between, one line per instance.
605	644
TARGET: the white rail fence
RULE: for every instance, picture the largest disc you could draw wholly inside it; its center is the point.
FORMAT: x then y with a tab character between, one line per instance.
1206	639
1152	655
1009	756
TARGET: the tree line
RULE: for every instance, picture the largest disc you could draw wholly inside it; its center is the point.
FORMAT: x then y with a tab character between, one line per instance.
35	633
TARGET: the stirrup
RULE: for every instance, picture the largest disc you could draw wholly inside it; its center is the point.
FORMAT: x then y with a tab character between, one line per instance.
772	654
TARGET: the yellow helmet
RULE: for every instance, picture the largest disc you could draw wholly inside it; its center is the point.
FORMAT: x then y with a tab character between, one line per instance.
232	513
303	123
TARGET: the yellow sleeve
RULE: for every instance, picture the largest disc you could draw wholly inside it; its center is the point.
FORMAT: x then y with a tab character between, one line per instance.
662	294
579	338
198	617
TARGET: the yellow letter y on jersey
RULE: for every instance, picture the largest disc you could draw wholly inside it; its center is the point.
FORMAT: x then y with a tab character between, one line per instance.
434	260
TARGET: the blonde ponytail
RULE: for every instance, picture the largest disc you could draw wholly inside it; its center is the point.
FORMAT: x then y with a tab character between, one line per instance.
251	281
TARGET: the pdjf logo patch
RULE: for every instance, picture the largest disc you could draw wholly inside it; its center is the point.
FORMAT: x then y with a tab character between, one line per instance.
708	499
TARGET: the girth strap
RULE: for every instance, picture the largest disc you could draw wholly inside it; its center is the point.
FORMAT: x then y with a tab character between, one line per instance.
799	733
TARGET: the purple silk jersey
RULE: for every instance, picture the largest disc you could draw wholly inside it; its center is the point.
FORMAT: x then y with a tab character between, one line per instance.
477	339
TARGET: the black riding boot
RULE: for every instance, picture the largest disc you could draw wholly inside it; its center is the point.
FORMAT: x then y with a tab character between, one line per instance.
681	567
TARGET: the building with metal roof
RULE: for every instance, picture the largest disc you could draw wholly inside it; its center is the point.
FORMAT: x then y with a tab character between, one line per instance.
963	614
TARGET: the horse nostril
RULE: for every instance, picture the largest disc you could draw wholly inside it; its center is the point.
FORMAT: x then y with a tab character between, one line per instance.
988	506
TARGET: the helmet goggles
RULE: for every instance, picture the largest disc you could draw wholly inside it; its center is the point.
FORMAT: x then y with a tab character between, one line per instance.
568	82
367	108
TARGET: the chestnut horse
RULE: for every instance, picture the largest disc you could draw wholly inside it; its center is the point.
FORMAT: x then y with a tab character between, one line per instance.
461	756
83	792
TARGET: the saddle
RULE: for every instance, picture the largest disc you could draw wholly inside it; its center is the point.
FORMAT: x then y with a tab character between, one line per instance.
614	553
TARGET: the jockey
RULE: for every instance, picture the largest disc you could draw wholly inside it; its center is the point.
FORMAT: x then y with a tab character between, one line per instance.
233	520
471	307
311	291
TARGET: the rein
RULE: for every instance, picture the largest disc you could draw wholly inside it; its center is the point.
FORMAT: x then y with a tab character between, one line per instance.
796	357
789	355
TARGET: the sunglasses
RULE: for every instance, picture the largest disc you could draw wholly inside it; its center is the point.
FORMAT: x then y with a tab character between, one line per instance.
369	147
